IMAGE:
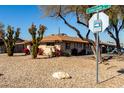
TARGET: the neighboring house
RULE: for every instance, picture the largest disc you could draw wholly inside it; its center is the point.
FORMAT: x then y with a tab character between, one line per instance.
20	45
65	43
2	46
106	47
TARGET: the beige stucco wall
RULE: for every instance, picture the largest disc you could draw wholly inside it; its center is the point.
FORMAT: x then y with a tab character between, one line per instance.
49	49
62	46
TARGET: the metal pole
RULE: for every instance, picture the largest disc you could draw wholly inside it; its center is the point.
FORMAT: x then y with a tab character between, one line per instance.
97	53
97	58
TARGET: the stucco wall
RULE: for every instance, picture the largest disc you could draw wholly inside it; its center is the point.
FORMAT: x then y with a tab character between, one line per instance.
62	46
48	49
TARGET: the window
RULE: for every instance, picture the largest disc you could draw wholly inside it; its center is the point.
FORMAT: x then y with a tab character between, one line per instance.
50	44
75	45
80	45
67	46
84	46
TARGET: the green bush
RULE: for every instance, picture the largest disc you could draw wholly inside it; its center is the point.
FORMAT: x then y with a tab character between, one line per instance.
67	54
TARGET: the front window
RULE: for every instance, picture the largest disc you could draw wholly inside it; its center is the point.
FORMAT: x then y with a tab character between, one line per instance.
80	45
67	45
84	46
75	45
50	44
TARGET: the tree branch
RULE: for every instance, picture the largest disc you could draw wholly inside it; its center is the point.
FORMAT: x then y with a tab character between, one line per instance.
78	19
111	34
75	29
72	27
4	40
121	25
87	35
79	22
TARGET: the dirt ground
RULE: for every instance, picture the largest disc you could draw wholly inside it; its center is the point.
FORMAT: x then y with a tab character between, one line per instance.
23	71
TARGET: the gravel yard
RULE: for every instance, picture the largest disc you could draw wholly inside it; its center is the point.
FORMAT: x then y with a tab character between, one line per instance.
22	71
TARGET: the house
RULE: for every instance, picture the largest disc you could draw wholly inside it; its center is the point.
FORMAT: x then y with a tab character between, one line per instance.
65	43
68	44
19	46
107	47
2	46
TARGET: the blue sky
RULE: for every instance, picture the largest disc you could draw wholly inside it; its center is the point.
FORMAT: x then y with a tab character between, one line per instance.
22	16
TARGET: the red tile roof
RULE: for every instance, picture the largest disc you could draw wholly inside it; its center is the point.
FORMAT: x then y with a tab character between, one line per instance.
61	38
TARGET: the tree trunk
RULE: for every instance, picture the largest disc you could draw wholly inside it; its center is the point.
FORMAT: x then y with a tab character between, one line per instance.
117	40
34	51
93	50
99	50
10	51
118	45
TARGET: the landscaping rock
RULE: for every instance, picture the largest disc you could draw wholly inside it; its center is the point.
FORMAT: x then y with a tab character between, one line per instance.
61	75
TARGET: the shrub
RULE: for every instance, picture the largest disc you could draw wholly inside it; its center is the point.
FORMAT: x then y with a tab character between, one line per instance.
82	52
26	51
57	52
40	51
74	52
67	54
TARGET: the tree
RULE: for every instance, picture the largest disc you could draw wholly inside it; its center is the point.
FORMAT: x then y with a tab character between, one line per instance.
9	38
81	18
1	28
116	15
37	36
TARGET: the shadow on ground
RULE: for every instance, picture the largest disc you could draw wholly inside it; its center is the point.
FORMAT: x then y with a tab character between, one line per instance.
121	71
44	57
18	55
110	78
1	74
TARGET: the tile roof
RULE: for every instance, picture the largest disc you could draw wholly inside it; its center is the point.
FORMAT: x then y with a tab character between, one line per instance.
61	38
19	41
103	43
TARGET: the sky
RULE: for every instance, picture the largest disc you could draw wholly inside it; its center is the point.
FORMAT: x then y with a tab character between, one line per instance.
23	16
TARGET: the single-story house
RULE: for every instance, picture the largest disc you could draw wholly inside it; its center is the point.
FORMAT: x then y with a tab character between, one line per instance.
19	46
2	46
65	43
68	44
106	47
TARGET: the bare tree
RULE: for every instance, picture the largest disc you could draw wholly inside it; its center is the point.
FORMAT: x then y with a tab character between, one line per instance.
116	14
81	18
